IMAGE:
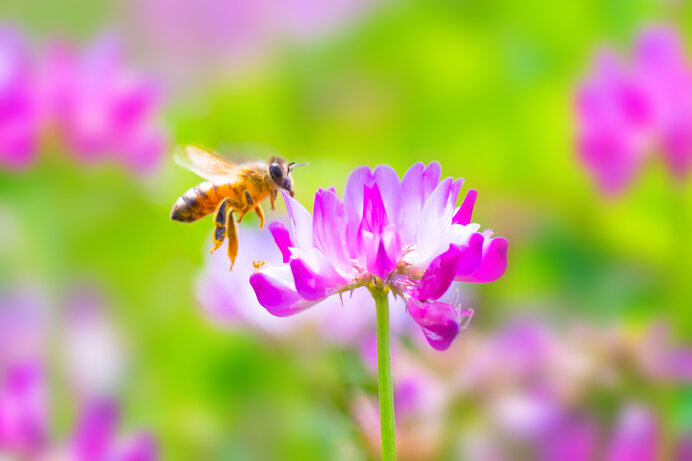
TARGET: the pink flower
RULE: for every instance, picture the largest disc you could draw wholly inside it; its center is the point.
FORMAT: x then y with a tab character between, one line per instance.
96	437
627	111
405	235
19	128
636	435
102	107
25	404
23	409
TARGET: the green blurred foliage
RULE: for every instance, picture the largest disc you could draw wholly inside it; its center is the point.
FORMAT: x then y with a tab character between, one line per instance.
484	87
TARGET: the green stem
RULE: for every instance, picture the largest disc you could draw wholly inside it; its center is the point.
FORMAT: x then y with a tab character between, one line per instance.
384	372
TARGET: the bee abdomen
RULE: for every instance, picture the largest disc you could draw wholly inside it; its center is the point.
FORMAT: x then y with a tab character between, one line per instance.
195	203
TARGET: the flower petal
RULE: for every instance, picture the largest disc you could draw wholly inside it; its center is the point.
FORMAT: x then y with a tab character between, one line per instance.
97	430
353	192
463	215
431	178
432	222
314	276
494	262
636	436
328	227
473	255
383	262
440	274
374	212
282	239
439	321
301	220
276	291
390	189
412	188
143	447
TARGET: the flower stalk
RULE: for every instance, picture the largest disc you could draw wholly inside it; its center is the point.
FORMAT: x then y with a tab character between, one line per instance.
384	372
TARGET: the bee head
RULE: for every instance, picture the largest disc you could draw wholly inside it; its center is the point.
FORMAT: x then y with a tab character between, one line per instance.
280	172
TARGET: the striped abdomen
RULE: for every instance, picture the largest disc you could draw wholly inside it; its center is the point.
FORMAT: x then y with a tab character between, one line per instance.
197	202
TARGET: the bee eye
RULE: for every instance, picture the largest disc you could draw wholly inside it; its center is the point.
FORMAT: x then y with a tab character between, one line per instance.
276	172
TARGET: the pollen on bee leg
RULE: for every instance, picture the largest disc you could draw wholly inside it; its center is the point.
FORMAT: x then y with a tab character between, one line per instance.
260	213
220	220
219	235
232	235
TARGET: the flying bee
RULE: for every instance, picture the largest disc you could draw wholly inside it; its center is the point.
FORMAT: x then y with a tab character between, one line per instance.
229	189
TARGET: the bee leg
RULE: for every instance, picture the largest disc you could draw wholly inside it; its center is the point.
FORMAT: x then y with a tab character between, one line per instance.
220	220
260	214
272	198
232	234
249	206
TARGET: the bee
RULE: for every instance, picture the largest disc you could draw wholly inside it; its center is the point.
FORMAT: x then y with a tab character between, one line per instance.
229	189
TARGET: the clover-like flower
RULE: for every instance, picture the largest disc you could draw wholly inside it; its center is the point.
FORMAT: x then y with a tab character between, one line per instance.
405	235
19	130
627	110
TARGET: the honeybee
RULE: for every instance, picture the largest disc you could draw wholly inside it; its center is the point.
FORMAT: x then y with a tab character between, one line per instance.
229	188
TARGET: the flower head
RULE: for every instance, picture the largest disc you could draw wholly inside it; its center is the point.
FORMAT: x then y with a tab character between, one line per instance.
101	106
19	129
405	236
627	110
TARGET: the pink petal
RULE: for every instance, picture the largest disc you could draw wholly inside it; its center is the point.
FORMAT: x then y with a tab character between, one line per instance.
636	436
276	291
660	49
141	448
431	178
570	441
412	188
390	189
463	216
374	212
440	274
314	276
300	220
23	408
432	220
328	226
439	321
353	192
494	262
282	239
472	256
97	430
384	264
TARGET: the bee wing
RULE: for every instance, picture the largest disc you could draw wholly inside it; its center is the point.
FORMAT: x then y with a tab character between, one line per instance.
206	164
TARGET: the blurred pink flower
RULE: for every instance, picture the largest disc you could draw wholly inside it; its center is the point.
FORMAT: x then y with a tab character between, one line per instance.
25	403
19	127
407	235
23	327
94	349
23	410
636	436
96	437
99	107
626	111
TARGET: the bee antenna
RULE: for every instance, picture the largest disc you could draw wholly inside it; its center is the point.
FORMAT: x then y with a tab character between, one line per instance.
292	165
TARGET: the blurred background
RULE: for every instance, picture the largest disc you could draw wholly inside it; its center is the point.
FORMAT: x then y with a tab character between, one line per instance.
581	351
